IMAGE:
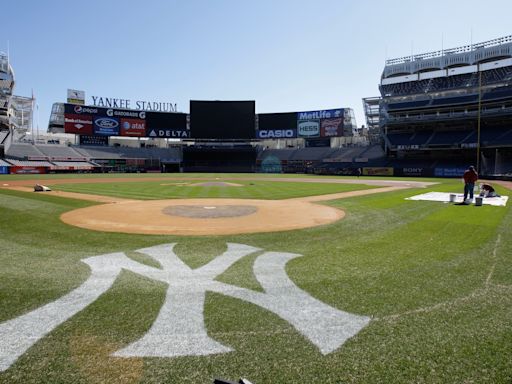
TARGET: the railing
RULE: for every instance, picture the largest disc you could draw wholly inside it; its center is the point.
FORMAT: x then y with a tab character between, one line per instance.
451	51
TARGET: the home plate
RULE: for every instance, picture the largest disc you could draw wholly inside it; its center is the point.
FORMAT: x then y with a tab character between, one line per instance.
444	197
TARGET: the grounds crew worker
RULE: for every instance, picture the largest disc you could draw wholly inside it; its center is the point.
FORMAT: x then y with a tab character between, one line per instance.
470	178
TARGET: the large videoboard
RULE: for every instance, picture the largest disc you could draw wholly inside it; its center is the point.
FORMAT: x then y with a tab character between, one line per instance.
222	120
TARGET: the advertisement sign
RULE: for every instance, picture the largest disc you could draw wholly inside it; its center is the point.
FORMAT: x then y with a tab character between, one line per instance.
169	133
133	127
94	140
449	172
106	126
78	124
322	114
167	125
308	128
119	113
276	133
331	127
80	109
414	171
318	142
4	170
21	170
378	171
76	97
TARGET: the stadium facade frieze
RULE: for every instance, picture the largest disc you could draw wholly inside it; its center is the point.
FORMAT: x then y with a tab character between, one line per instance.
142	105
98	121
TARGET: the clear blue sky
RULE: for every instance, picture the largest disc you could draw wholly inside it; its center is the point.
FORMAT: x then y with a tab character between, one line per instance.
287	55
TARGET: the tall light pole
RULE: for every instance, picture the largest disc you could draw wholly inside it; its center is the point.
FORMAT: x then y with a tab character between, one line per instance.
479	119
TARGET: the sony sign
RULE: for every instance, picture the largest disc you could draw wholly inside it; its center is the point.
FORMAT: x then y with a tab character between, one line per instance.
308	128
276	133
141	105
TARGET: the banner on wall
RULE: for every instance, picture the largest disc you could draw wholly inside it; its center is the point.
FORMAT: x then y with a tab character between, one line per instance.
321	123
322	142
308	128
133	127
378	171
331	127
449	172
106	126
78	124
276	133
96	121
4	170
22	170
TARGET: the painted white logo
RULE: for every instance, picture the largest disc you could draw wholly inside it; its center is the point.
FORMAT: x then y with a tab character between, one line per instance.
179	328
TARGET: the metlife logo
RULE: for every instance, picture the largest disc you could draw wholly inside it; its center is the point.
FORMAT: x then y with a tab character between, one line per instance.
322	114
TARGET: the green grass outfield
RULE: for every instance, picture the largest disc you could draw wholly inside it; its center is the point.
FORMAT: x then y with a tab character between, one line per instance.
435	278
172	189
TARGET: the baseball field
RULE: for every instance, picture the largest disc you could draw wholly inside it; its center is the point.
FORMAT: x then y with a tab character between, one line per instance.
275	278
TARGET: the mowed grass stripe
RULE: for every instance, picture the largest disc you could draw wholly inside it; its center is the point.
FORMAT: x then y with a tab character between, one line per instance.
253	190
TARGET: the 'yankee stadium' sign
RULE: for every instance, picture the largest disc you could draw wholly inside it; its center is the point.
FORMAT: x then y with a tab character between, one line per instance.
142	105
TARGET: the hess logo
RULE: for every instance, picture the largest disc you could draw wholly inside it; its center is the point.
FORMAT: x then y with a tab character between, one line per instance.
309	128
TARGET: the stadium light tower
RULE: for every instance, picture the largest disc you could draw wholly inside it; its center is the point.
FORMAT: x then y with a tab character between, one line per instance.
479	121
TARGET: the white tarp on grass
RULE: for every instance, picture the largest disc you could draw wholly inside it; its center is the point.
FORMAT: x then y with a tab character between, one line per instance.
445	198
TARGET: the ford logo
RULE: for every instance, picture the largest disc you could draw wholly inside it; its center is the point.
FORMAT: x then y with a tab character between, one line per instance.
105	122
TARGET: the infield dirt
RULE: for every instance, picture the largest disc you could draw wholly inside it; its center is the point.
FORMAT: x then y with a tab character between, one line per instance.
155	216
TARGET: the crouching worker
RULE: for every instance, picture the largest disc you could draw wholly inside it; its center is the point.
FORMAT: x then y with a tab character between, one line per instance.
486	190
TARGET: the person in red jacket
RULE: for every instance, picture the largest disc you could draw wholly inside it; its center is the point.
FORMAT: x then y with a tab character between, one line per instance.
470	178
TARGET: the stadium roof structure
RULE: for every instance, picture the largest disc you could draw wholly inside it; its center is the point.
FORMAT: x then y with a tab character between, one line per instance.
496	49
6	88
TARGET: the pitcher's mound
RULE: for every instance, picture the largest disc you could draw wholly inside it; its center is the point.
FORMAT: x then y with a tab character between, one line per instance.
209	211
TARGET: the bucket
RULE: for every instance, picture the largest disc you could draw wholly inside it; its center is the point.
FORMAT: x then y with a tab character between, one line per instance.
452	197
479	201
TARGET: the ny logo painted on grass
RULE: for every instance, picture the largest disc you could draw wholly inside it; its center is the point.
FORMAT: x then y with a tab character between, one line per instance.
179	328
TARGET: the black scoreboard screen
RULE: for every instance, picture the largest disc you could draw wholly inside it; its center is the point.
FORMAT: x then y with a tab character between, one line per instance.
222	120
